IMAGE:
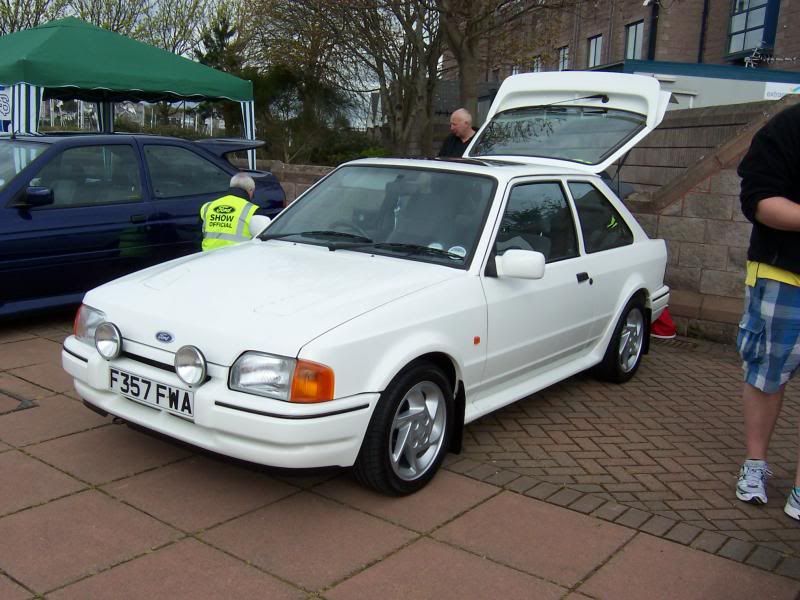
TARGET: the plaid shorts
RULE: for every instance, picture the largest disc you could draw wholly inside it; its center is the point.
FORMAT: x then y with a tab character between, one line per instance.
769	334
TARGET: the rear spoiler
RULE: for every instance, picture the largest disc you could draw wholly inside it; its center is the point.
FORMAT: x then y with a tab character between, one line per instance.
222	146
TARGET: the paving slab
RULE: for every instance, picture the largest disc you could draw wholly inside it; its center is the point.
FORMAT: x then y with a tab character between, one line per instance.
21	389
309	540
27	482
652	568
54	544
11	591
33	351
107	453
540	539
199	492
50	376
52	418
187	570
447	496
432	570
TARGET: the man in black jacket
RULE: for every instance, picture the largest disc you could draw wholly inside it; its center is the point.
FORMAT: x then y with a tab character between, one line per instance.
461	132
769	332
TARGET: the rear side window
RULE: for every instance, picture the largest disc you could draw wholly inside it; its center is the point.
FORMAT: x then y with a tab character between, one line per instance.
602	226
92	175
537	217
177	172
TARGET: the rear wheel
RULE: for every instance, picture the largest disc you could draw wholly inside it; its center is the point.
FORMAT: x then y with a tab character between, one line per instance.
625	349
409	432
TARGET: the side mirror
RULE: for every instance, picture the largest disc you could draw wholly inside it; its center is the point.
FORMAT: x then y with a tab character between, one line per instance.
258	223
38	196
520	264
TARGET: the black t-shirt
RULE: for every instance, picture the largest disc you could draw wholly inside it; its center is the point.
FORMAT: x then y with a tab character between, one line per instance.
453	146
770	168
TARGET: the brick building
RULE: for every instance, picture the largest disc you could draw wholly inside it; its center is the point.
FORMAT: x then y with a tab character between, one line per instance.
594	33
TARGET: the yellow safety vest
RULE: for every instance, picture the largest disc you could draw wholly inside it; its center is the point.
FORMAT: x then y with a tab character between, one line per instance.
226	221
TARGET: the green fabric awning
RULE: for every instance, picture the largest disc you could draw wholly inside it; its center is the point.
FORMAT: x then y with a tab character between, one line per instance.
73	59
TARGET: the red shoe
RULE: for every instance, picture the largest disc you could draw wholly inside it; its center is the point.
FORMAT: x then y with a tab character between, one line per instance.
663	328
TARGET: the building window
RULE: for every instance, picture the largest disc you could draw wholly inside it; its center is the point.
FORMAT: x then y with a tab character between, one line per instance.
563	58
752	25
633	40
536	64
595	51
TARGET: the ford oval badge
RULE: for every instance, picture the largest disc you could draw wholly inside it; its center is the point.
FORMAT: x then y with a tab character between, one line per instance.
164	337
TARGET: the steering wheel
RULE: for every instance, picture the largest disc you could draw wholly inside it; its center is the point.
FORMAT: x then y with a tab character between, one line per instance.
349	227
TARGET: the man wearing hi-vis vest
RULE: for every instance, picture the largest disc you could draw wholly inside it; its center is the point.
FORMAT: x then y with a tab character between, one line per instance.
226	221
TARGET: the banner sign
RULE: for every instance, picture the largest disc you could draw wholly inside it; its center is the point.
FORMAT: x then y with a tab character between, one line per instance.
5	108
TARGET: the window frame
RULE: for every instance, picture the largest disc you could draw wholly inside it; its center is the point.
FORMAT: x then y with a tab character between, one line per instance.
63	150
158	198
568	205
610	202
768	27
563	58
594	52
634	52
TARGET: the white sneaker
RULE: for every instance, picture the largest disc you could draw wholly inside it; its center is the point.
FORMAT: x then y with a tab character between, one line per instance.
792	507
752	484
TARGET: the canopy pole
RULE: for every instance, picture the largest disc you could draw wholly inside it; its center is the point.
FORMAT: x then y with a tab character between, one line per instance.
249	122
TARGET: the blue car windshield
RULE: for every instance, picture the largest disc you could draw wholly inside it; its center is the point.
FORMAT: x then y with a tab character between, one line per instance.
15	155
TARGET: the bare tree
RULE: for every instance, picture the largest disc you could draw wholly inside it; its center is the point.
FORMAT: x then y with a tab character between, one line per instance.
174	25
390	46
120	16
468	23
16	15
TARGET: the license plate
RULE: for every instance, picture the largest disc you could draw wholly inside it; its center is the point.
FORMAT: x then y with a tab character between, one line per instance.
173	399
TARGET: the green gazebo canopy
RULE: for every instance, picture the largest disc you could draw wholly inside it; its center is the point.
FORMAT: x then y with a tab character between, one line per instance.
73	59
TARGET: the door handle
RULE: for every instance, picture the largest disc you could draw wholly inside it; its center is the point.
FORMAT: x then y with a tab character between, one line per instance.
583	277
138	218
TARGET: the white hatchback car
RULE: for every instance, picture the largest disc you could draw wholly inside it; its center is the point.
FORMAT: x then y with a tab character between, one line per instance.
397	299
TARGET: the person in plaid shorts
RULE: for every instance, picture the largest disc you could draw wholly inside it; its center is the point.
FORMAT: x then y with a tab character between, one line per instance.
769	332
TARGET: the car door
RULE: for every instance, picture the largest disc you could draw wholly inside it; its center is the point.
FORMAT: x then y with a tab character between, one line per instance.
534	325
606	239
95	229
181	181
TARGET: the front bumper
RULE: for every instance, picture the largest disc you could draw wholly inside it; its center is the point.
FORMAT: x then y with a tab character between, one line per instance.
243	426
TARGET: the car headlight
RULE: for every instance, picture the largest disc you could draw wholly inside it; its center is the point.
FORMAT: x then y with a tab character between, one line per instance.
282	378
108	340
190	365
86	321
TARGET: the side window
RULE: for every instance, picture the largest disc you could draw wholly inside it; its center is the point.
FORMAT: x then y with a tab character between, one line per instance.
602	226
177	171
92	175
537	217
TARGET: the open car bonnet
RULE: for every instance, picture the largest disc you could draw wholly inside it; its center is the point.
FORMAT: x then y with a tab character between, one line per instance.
579	120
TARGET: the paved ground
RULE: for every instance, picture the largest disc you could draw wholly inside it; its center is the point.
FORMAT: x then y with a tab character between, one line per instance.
585	490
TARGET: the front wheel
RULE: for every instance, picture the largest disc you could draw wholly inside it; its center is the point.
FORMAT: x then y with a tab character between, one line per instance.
409	433
624	352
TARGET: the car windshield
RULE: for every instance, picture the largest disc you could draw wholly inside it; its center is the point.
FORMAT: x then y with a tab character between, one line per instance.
420	214
580	134
15	155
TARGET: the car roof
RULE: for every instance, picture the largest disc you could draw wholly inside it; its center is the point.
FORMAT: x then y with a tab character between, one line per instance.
71	136
501	169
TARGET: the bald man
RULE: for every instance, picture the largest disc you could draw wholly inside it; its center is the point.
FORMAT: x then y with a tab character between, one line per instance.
461	132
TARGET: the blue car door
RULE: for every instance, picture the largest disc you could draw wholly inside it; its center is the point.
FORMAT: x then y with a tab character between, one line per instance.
95	230
181	181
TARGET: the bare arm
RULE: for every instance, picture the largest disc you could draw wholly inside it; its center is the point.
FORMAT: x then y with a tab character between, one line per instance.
779	213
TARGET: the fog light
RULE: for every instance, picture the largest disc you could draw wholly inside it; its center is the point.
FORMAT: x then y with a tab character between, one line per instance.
190	365
108	340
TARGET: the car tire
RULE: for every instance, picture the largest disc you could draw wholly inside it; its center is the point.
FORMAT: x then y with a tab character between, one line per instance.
626	347
409	432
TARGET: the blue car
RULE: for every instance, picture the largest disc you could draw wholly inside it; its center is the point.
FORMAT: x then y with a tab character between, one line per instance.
78	210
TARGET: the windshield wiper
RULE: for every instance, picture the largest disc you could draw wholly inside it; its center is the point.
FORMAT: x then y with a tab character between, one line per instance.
401	247
317	233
